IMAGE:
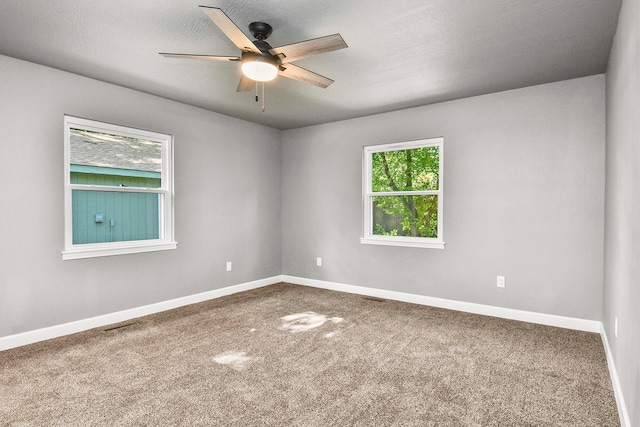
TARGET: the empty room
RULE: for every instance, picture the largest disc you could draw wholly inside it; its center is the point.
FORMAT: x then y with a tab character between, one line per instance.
320	213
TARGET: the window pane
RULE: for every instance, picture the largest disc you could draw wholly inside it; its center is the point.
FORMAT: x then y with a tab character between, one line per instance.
105	216
114	160
405	170
413	216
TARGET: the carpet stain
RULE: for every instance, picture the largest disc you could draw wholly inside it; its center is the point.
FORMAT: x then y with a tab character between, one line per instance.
237	360
300	322
333	334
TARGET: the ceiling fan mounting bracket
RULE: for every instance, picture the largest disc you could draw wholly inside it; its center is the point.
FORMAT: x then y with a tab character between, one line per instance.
260	30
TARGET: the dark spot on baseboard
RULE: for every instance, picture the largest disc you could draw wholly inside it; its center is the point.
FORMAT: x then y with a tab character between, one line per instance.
113	328
374	299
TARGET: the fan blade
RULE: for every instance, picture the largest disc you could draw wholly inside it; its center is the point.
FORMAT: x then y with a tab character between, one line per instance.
295	51
205	57
298	73
230	29
246	84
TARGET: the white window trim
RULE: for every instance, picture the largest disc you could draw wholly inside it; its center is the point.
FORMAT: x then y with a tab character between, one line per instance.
417	242
92	250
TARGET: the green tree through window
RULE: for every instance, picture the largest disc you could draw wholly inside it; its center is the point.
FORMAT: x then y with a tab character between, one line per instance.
400	171
403	191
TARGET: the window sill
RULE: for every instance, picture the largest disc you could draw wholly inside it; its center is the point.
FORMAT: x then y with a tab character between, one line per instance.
407	242
120	248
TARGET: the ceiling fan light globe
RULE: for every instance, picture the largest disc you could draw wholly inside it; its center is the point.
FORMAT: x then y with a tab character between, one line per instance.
259	69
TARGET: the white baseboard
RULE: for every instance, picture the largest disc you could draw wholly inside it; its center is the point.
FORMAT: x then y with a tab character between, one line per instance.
56	331
615	381
487	310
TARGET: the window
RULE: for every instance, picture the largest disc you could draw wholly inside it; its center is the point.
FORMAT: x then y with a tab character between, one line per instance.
403	194
118	190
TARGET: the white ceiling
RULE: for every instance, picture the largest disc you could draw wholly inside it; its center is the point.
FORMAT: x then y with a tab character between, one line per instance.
401	54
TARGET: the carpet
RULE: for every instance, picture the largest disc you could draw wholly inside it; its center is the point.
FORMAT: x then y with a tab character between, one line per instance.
288	355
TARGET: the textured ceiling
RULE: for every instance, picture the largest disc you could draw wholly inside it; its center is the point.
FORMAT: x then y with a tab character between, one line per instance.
401	54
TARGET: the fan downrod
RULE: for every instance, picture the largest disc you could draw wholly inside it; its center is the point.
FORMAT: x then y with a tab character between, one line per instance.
260	30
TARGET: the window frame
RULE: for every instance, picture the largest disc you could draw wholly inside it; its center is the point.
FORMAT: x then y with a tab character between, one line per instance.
367	196
165	191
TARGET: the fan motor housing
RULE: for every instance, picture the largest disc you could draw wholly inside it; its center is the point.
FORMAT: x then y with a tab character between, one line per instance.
263	46
265	57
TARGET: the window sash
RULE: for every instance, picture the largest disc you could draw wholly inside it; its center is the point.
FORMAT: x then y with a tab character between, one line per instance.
111	188
405	193
368	197
165	192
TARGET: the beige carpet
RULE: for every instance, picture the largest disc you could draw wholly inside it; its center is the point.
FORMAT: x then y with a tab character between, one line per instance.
287	355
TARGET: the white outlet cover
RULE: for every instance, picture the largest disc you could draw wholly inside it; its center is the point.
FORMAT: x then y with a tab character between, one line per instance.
228	265
500	282
319	262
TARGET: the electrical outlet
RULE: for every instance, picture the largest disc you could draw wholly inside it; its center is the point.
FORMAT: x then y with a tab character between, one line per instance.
500	282
615	326
228	265
319	262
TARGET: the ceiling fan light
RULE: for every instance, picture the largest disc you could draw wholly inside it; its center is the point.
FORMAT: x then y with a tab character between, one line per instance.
259	68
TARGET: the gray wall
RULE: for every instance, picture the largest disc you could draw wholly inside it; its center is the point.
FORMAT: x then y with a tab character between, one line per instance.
524	185
622	218
524	198
227	201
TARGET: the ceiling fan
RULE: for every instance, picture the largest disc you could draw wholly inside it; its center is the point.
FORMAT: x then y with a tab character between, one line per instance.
260	61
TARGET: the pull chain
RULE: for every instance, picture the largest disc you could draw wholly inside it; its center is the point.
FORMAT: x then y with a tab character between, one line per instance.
257	98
